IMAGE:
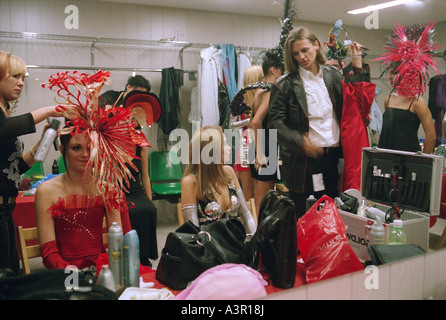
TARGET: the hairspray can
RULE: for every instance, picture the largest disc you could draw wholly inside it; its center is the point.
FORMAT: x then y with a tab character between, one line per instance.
114	253
47	141
130	258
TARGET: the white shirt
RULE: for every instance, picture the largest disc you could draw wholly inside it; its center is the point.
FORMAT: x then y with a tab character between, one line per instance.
209	71
324	127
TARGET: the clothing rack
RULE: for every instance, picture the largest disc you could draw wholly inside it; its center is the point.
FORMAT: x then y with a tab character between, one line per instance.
165	43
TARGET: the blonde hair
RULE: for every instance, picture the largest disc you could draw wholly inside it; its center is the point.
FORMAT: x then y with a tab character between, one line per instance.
251	75
11	65
301	33
210	175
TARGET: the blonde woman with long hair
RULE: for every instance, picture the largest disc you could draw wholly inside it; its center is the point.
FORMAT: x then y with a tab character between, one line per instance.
210	189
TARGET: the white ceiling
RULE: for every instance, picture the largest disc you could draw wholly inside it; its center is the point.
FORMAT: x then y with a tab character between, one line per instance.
328	11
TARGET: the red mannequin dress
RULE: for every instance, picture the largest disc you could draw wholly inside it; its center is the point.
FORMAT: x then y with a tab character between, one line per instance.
78	221
358	98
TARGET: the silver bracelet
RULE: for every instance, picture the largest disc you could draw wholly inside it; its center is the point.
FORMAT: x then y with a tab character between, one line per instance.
32	152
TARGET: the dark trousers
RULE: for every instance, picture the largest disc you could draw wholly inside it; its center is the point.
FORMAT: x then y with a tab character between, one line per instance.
328	166
8	247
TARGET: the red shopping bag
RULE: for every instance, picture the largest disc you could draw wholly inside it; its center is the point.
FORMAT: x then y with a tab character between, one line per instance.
323	243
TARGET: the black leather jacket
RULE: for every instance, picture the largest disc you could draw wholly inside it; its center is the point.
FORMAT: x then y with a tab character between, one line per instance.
288	113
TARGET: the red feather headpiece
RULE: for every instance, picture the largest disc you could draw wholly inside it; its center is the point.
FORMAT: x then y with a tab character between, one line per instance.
111	131
409	55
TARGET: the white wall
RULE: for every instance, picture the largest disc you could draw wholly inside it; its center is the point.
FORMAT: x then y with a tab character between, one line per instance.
418	278
111	20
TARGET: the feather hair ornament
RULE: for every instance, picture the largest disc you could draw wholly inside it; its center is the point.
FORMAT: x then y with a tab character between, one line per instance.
409	55
111	131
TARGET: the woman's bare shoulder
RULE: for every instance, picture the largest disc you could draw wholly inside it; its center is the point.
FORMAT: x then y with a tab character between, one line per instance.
189	180
50	187
229	171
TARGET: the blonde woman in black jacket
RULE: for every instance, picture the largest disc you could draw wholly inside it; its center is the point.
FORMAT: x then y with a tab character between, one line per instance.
14	160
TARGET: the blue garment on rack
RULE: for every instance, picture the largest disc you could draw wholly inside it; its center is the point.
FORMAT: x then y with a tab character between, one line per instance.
228	61
376	121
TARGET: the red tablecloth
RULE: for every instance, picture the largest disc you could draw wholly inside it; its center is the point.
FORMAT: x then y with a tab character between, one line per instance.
150	276
24	213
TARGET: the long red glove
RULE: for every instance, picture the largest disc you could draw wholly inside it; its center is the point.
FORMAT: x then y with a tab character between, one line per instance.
51	257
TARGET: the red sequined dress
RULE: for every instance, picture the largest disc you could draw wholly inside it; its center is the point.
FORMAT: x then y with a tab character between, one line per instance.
78	225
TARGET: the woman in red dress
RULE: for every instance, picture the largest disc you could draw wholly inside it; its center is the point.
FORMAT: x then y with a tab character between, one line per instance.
96	144
70	210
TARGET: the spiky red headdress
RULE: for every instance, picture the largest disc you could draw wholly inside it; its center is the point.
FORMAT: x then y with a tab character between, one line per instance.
409	55
111	131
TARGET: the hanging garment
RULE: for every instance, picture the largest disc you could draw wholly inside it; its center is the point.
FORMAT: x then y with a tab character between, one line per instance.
437	104
194	113
223	106
172	80
441	92
228	62
358	98
209	73
243	62
376	121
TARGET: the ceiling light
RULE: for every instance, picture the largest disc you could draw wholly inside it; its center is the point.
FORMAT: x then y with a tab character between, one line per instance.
380	6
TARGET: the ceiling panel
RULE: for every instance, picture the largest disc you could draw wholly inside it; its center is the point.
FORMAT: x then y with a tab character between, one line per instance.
327	11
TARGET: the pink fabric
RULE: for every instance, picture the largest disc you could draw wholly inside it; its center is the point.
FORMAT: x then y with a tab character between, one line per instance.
226	282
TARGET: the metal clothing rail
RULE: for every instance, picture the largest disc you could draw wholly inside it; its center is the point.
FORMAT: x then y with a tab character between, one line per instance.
95	40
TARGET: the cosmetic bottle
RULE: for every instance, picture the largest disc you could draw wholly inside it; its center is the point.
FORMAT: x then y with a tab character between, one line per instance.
130	259
115	253
47	141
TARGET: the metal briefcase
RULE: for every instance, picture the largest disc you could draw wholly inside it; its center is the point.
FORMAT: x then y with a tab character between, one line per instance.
418	180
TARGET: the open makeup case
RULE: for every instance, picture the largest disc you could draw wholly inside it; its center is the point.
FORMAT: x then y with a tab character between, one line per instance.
405	185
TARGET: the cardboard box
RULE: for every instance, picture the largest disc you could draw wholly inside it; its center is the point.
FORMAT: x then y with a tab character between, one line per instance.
428	168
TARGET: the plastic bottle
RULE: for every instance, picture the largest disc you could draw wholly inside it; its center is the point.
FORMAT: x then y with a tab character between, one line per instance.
441	151
115	253
361	209
397	235
130	259
377	233
373	212
47	141
106	279
55	168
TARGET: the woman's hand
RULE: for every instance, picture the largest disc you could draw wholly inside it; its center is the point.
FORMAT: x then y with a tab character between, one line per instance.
356	52
260	161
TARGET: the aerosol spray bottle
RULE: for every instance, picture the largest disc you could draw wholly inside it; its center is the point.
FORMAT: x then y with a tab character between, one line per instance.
115	253
130	258
47	141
